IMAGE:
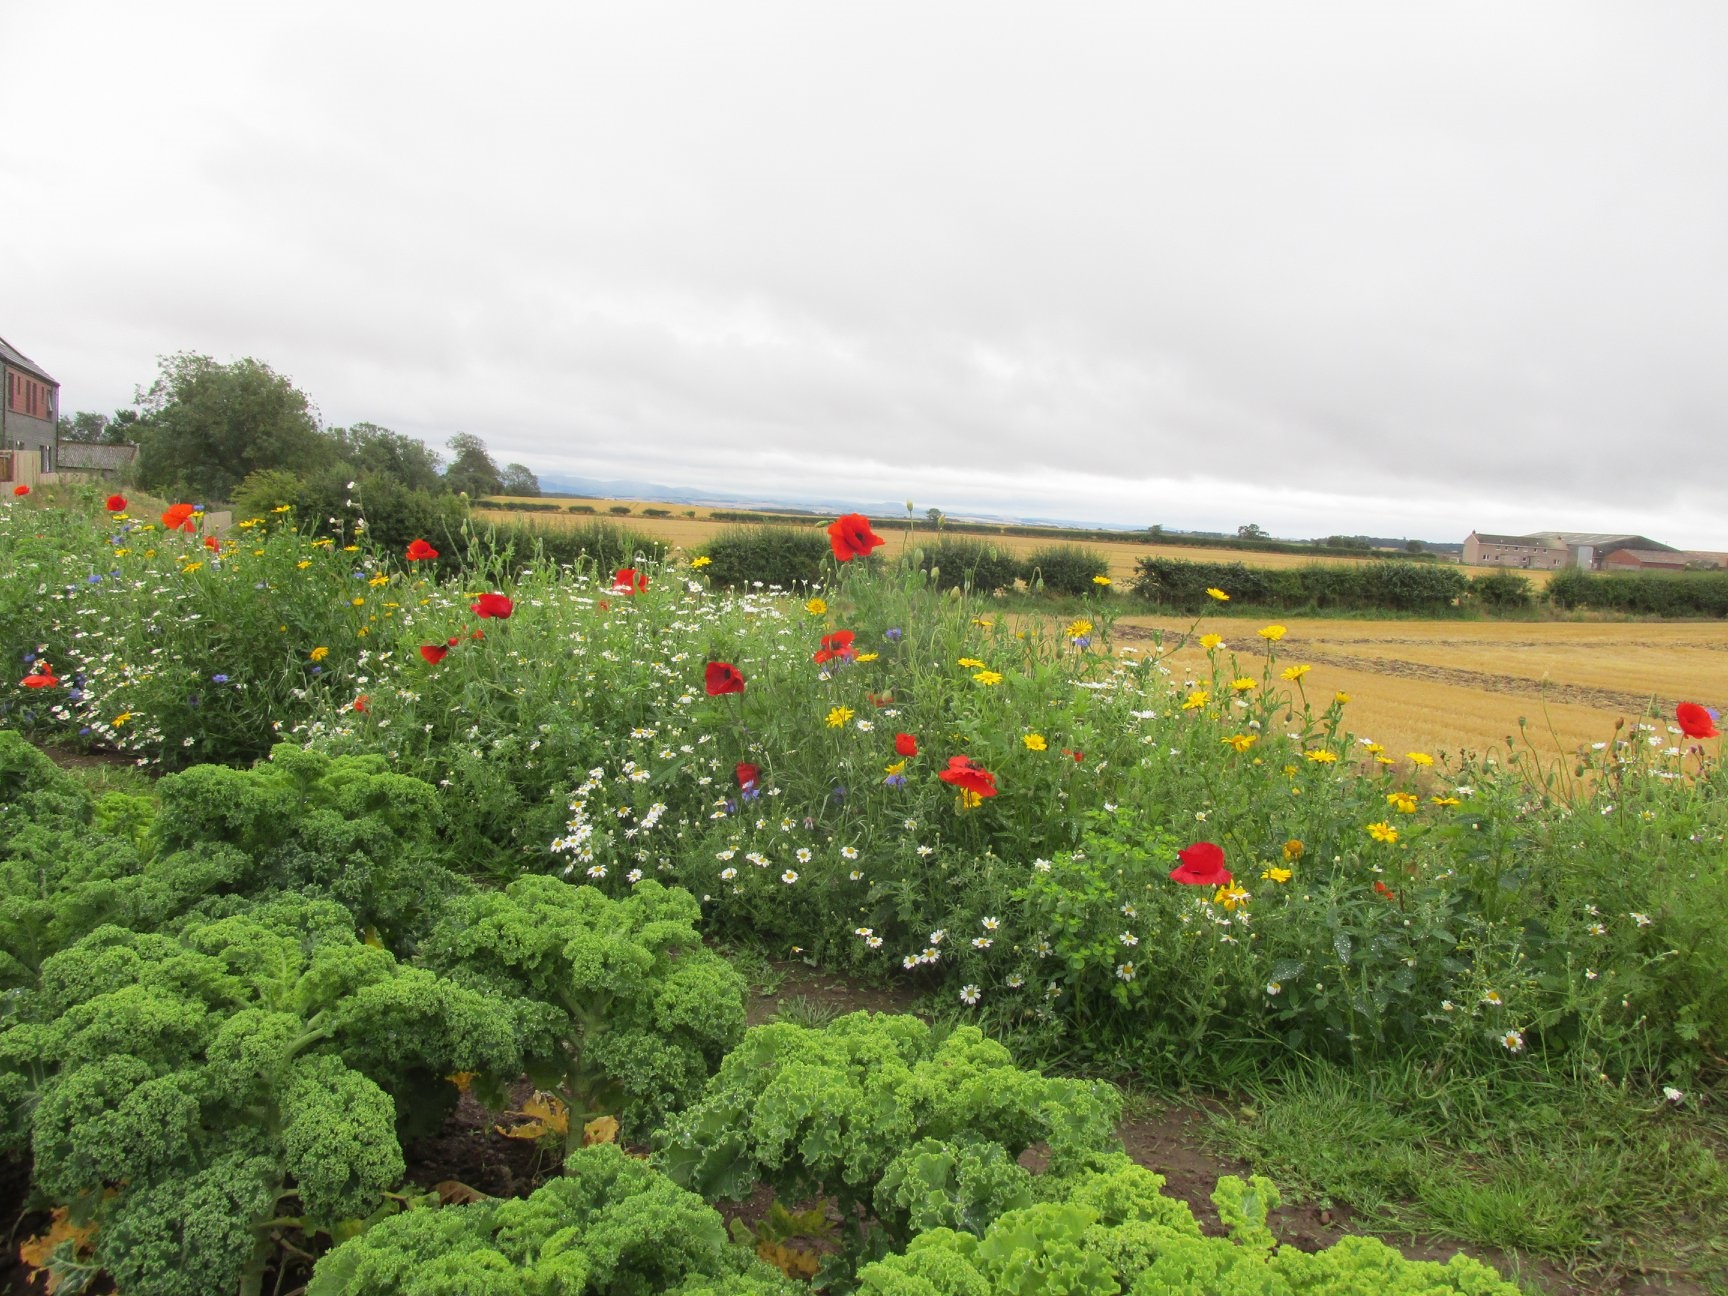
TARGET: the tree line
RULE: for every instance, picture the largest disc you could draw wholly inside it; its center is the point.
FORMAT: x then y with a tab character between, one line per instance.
242	433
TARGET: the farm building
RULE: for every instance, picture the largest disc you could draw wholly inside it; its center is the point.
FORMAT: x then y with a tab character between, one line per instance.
29	408
1552	550
1663	560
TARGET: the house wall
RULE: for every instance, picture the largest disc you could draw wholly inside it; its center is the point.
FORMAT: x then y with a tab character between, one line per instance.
1481	553
19	428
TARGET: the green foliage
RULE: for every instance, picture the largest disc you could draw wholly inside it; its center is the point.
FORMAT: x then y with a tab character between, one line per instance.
1394	586
1065	569
472	471
789	557
344	827
372	451
923	1126
1502	590
610	1226
975	565
1677	594
1071	1247
180	1087
208	425
620	1009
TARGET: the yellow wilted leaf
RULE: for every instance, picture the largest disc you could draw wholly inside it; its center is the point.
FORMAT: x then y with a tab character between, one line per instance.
546	1114
370	937
791	1261
463	1080
38	1253
602	1129
453	1192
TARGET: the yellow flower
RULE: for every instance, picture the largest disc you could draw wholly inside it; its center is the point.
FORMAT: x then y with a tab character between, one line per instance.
1385	760
189	568
970	800
121	719
1293	850
1272	632
1340	698
1446	801
1278	875
1294	673
319	653
838	716
357	601
1242	685
1230	896
970	663
350	548
898	767
1077	628
1197	699
988	677
1419	758
703	561
1034	742
303	564
866	657
283	508
1373	749
986	622
1383	832
1211	641
817	607
149	553
248	524
324	543
1218	594
1402	802
379	579
1241	742
1320	756
1101	580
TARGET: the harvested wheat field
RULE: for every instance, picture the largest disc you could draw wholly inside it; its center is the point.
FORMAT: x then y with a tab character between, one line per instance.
1449	686
1123	555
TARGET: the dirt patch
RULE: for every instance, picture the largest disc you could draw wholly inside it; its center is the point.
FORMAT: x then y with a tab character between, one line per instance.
825	992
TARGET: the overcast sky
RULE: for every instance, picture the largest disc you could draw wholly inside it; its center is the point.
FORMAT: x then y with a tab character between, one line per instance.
1367	267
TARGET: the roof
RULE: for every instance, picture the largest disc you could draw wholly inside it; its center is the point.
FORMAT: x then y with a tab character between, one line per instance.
18	360
1524	540
1607	540
1669	556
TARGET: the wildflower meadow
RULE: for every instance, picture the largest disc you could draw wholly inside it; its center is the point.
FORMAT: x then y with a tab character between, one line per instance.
569	782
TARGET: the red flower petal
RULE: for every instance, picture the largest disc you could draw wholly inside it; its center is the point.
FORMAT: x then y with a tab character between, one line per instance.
962	773
905	745
420	551
1202	865
721	678
116	503
627	580
20	489
493	605
434	653
747	775
851	537
1695	721
177	517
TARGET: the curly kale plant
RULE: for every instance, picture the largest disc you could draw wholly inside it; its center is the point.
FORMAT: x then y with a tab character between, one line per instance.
619	1007
193	1092
339	826
1112	1232
883	1113
610	1225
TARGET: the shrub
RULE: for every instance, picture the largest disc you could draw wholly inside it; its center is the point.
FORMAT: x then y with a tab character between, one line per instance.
1066	569
788	556
1681	594
622	510
1392	585
580	508
1502	590
977	565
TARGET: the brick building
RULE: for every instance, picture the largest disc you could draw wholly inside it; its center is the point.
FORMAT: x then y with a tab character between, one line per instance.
29	413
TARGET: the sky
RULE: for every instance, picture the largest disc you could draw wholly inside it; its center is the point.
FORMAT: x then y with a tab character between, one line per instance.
1387	269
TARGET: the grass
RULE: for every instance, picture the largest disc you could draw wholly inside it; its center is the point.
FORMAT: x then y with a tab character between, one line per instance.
1558	1166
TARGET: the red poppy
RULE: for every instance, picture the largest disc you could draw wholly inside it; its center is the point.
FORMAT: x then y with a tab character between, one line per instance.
177	517
880	699
1383	891
603	605
723	677
116	503
963	774
905	745
1202	865
474	634
1077	755
420	551
851	536
434	653
43	679
212	543
747	775
627	580
493	605
453	640
1696	721
836	645
360	704
20	489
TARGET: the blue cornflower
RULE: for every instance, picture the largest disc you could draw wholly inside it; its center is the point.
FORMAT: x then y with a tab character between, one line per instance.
218	679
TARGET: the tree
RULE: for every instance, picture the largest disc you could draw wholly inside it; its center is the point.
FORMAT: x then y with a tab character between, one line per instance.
935	515
207	425
516	479
472	470
1415	546
1250	531
371	450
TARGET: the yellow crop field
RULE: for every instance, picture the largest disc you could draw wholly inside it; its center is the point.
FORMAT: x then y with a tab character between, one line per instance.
1449	686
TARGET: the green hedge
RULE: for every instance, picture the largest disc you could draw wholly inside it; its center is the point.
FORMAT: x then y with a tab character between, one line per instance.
1680	594
1389	586
1066	569
965	563
774	555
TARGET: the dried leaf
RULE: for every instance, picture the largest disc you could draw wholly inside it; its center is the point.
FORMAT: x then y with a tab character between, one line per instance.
453	1192
791	1261
463	1080
602	1129
546	1114
38	1254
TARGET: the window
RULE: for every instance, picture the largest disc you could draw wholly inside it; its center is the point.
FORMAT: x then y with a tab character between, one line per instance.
26	396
